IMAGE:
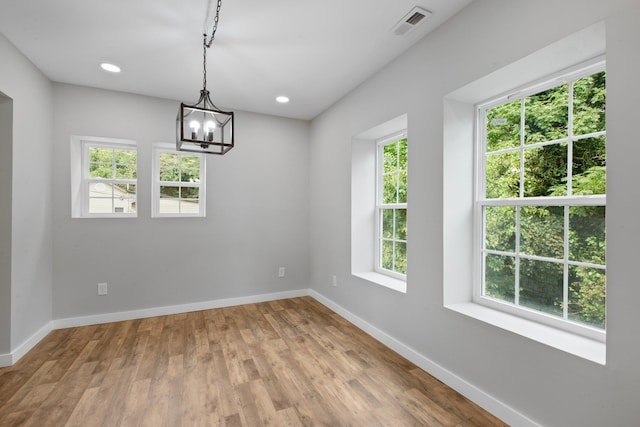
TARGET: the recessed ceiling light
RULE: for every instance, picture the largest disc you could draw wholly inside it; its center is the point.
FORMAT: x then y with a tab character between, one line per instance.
110	67
282	99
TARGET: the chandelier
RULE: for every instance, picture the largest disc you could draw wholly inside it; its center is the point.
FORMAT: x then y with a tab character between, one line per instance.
203	127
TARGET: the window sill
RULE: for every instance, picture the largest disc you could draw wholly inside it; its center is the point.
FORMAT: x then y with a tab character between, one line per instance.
568	342
382	280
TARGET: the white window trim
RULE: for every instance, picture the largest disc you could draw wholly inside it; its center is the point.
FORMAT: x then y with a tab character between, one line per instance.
380	143
572	74
459	192
156	183
80	181
363	204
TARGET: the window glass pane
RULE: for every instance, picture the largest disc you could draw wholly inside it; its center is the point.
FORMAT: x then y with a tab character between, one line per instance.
401	224
390	157
100	162
402	153
190	162
542	231
545	171
169	160
499	277
101	170
589	94
189	192
124	190
98	205
546	115
169	192
503	175
124	205
402	187
387	254
503	126
125	157
169	206
587	288
189	206
541	286
401	258
587	239
99	189
500	228
390	189
190	175
101	155
125	171
387	223
589	167
169	174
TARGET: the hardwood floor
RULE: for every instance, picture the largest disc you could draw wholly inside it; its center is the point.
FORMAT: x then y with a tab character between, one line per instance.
282	363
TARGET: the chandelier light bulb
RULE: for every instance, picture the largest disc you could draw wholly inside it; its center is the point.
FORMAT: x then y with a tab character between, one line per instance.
194	125
209	126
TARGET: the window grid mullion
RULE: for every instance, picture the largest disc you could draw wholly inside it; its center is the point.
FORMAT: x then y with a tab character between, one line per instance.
516	294
566	202
113	163
565	269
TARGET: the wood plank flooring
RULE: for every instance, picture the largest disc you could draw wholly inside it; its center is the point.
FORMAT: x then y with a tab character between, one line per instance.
281	363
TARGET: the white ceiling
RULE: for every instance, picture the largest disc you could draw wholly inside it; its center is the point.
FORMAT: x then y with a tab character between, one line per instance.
313	51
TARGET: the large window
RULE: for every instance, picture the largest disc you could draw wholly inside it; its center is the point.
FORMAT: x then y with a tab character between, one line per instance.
391	206
108	178
541	202
178	188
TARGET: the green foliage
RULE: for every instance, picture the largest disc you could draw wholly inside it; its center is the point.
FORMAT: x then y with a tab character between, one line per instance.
394	220
545	171
176	168
114	164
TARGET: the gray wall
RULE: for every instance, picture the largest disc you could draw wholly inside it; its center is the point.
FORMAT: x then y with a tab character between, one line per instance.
6	169
30	197
549	386
257	213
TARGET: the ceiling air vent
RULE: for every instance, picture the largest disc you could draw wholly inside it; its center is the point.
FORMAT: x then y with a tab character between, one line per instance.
410	21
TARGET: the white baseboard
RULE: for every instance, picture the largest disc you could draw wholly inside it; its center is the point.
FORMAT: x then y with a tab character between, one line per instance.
97	319
473	393
22	349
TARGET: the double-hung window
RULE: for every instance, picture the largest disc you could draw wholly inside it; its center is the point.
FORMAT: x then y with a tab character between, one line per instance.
391	206
108	181
541	202
178	183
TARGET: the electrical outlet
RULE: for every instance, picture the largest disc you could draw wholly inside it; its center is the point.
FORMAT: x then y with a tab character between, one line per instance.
334	281
102	288
281	272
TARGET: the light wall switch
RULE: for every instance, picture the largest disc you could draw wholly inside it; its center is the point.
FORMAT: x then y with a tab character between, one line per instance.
102	288
281	272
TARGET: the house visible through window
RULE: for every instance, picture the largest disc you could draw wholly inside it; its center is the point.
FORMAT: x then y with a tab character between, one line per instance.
109	179
541	201
178	183
391	206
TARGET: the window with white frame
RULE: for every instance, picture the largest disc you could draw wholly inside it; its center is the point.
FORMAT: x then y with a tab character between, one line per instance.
541	201
391	206
104	177
178	183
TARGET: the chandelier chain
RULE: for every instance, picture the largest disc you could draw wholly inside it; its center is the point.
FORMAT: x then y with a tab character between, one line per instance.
215	25
204	63
207	44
